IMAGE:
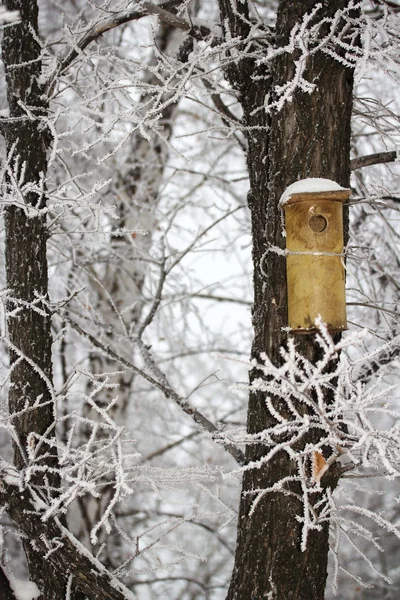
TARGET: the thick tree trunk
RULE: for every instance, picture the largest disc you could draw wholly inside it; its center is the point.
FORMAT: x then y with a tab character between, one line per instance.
308	137
29	332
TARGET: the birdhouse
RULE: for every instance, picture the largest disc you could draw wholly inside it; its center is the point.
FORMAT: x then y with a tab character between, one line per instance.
315	262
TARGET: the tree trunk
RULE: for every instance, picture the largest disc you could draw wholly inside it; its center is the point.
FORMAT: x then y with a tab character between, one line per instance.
308	137
29	327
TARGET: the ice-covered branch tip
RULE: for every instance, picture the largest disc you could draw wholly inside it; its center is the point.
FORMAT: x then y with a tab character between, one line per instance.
309	186
345	420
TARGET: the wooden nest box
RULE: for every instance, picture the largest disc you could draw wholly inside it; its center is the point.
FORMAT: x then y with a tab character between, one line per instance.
315	261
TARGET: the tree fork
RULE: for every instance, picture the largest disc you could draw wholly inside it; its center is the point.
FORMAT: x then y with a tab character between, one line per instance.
308	137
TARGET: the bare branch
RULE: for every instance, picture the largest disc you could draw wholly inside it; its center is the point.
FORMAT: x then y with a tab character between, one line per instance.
221	299
373	306
373	159
228	117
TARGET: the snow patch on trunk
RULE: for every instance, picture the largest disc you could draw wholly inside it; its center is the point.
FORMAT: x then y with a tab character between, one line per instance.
23	590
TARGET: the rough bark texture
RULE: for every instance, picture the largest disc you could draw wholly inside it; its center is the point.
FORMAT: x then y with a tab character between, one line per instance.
26	265
26	236
309	137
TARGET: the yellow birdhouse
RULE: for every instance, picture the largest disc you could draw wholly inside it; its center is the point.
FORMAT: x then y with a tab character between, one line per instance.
315	262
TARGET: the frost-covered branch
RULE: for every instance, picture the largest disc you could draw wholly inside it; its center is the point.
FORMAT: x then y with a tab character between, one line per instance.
141	10
325	424
64	552
165	388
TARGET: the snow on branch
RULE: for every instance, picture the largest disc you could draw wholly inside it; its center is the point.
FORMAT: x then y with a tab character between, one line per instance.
337	36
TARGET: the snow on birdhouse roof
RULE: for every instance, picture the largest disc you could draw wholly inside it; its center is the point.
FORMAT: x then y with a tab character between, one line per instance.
311	185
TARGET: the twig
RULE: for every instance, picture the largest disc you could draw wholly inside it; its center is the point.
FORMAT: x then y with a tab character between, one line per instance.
156	302
169	447
368	305
221	299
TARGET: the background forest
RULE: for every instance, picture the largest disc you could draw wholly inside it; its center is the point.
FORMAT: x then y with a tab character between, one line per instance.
132	133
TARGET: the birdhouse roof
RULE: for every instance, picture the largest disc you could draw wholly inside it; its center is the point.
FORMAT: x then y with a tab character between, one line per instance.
308	188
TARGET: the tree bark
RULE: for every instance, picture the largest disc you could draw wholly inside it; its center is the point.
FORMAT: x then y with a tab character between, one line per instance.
308	137
29	333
